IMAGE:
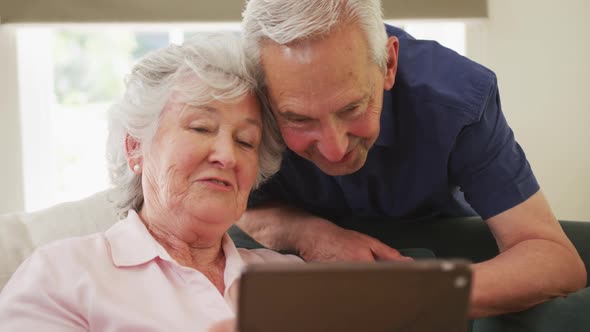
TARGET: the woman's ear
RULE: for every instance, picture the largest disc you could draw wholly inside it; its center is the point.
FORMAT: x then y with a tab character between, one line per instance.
131	148
392	57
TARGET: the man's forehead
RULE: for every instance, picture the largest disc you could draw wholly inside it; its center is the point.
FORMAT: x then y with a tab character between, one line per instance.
302	53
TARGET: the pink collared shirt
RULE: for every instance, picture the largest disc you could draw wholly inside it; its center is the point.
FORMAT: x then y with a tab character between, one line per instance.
119	280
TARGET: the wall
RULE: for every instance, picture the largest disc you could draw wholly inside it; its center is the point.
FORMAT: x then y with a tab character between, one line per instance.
11	181
17	11
540	50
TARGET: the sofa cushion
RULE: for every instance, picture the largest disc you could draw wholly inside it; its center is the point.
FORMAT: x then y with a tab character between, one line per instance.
21	233
15	245
89	215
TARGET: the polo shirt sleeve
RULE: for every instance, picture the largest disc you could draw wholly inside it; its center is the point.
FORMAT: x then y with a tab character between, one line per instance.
488	164
31	300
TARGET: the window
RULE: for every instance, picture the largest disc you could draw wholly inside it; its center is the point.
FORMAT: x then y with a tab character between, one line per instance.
69	76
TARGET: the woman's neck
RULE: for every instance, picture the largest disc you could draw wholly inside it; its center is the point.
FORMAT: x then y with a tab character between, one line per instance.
190	250
192	254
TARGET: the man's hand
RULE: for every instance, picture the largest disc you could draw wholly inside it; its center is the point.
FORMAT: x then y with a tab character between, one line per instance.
315	239
325	241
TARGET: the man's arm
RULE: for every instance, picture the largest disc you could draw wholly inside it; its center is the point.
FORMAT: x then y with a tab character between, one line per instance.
284	228
536	262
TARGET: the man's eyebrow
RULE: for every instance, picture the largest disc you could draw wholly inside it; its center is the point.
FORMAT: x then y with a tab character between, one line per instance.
292	115
353	104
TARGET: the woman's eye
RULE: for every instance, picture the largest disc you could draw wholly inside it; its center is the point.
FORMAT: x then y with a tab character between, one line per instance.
203	130
246	144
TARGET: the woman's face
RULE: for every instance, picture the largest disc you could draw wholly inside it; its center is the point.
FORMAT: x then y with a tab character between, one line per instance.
203	162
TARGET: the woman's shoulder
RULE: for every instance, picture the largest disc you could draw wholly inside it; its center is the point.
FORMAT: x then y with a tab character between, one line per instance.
70	245
71	253
266	256
57	264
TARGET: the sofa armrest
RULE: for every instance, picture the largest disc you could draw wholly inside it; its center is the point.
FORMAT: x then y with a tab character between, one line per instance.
579	234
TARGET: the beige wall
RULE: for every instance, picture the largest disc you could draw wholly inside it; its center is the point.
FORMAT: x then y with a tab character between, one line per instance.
11	181
540	50
18	11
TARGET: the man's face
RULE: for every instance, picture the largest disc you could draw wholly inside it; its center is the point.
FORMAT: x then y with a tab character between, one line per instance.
327	96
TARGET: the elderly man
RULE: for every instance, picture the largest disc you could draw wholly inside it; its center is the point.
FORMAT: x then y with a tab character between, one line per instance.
379	124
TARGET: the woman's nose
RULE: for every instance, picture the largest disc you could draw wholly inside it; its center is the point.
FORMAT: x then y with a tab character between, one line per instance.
223	152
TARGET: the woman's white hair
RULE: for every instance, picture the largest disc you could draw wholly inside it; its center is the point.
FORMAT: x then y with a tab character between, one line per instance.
288	21
207	67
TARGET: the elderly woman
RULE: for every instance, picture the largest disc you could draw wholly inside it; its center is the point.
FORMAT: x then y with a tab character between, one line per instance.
187	143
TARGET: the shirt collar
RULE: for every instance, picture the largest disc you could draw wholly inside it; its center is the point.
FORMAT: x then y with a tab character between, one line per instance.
386	137
233	261
132	244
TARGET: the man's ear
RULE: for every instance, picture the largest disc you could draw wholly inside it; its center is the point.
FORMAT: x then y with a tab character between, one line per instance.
131	148
392	57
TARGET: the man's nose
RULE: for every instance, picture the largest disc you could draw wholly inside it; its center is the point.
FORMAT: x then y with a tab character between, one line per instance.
223	152
333	142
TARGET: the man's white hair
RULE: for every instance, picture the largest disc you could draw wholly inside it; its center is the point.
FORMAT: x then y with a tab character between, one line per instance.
207	67
288	21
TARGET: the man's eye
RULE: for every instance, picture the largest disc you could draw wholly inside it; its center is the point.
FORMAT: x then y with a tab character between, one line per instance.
351	112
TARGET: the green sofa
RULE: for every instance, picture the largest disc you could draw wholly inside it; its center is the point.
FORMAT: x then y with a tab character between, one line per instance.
470	238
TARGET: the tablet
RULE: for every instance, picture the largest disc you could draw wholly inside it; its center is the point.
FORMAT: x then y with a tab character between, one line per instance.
425	295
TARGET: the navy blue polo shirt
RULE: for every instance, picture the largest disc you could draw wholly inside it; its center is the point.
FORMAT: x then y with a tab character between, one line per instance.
444	149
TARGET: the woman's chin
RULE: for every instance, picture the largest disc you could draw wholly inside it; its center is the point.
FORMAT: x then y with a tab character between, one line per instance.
208	229
215	218
214	209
